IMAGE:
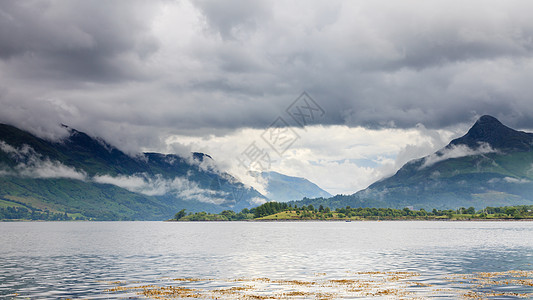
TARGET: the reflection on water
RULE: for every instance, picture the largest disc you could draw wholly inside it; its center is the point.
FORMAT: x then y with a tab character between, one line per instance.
100	260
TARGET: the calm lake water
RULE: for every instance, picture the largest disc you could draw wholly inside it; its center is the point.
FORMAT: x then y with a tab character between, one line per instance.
252	260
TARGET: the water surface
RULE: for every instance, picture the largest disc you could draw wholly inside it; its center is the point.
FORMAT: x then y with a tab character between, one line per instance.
100	260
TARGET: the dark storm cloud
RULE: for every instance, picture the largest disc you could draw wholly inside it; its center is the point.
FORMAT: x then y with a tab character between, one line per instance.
135	72
75	40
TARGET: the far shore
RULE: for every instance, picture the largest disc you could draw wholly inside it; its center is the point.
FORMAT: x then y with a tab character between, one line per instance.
348	221
283	220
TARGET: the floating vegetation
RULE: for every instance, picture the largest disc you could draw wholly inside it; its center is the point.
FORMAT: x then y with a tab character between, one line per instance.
191	279
396	285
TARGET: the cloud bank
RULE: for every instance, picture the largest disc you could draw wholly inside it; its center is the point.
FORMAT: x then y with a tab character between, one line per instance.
180	187
456	151
194	68
138	72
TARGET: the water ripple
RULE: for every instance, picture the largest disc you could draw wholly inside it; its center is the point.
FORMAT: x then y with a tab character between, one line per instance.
87	259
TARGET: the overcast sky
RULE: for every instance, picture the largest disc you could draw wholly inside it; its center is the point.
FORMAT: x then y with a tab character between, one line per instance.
394	80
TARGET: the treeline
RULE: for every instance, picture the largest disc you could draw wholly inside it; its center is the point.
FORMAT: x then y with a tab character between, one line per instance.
265	209
22	213
270	208
226	215
310	212
325	213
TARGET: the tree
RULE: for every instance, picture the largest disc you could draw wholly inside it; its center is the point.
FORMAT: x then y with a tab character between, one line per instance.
228	214
406	211
510	211
180	214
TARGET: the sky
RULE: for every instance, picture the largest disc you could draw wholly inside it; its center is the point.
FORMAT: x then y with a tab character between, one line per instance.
385	81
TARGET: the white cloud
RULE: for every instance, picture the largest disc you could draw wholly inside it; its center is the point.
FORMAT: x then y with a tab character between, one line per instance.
7	148
516	180
509	180
49	169
181	187
455	152
257	201
189	190
131	183
32	164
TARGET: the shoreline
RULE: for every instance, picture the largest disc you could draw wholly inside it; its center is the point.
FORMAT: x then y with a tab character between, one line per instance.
282	220
349	221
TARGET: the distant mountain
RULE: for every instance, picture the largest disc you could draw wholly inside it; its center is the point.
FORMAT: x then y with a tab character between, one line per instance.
89	177
283	188
491	165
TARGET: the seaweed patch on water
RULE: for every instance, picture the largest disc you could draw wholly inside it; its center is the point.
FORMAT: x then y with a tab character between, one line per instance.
397	285
484	285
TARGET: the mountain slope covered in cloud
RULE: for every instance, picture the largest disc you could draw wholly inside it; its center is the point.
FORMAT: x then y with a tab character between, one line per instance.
491	165
84	175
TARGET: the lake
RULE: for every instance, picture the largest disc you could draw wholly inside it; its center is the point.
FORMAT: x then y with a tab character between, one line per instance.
266	260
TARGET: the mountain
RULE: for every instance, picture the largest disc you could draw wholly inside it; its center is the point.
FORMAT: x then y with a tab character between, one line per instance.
89	178
283	188
491	131
491	165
